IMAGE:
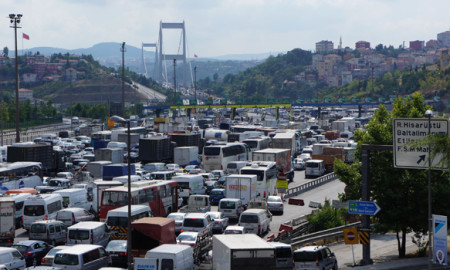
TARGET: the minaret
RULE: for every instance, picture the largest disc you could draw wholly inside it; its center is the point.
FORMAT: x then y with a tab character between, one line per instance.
340	43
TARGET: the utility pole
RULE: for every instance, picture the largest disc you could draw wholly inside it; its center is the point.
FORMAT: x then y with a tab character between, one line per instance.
174	79
195	83
122	49
15	20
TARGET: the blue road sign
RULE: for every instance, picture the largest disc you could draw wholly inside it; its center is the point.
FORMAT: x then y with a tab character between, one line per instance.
363	208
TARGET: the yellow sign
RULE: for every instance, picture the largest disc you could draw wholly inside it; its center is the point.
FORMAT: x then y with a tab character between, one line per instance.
282	184
364	238
351	236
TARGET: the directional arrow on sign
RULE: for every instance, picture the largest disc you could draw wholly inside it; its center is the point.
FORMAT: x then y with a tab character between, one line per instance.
363	208
421	158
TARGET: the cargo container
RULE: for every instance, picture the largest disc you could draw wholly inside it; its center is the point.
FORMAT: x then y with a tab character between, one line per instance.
282	157
115	155
150	232
186	155
119	169
243	251
156	149
52	160
7	221
96	167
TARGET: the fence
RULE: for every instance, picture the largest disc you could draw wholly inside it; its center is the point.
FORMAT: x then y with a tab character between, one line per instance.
291	192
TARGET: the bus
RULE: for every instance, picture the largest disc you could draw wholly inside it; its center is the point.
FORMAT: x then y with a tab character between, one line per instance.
216	157
266	181
160	195
20	175
257	143
117	220
100	139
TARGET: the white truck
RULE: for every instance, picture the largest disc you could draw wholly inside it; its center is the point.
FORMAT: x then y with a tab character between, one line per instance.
242	187
196	204
242	251
286	140
282	157
7	221
167	256
186	155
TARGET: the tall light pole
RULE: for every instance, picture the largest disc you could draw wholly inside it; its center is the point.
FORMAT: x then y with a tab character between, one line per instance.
15	20
116	118
195	83
429	113
122	49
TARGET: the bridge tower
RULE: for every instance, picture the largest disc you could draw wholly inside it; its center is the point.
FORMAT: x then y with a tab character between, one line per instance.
179	57
144	66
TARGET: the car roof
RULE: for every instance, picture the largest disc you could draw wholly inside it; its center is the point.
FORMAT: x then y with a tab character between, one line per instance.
311	248
77	249
195	215
28	242
189	233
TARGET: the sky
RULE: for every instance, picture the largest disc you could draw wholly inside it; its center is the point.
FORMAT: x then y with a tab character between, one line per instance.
223	27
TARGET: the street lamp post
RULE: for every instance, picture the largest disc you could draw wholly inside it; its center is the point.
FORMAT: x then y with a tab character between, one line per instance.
15	20
122	49
429	113
116	118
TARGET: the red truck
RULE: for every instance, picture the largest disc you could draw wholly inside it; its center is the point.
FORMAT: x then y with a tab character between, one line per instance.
150	232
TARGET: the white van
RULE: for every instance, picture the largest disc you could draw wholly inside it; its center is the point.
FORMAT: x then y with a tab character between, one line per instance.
231	207
234	167
19	200
154	166
11	258
190	184
84	257
75	197
50	231
167	256
314	168
255	221
40	207
283	255
70	216
162	175
88	232
117	219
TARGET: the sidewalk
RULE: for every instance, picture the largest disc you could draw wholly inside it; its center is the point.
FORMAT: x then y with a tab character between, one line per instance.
409	264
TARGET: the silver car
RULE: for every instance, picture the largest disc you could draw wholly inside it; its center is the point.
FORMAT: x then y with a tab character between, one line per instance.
275	204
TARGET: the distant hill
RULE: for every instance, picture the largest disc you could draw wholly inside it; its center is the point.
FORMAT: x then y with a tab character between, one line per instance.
109	55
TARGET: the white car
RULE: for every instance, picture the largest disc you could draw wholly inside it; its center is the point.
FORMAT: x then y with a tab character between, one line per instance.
172	166
188	238
66	175
275	204
220	222
235	230
299	164
179	217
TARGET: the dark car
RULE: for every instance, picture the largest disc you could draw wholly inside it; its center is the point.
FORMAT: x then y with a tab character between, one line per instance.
33	251
117	250
210	185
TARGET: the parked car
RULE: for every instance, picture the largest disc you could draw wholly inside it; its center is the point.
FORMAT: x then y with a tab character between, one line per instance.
117	250
220	222
315	257
179	217
275	204
33	251
48	258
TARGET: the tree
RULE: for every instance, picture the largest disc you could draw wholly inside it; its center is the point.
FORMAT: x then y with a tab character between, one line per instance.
399	192
5	51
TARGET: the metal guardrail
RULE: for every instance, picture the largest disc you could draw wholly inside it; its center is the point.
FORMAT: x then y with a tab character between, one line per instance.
291	192
316	236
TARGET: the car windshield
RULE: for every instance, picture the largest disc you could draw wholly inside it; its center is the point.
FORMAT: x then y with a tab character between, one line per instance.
227	205
66	259
34	210
38	228
232	232
79	234
193	222
186	237
306	256
21	248
117	246
214	215
176	217
274	199
249	219
216	192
